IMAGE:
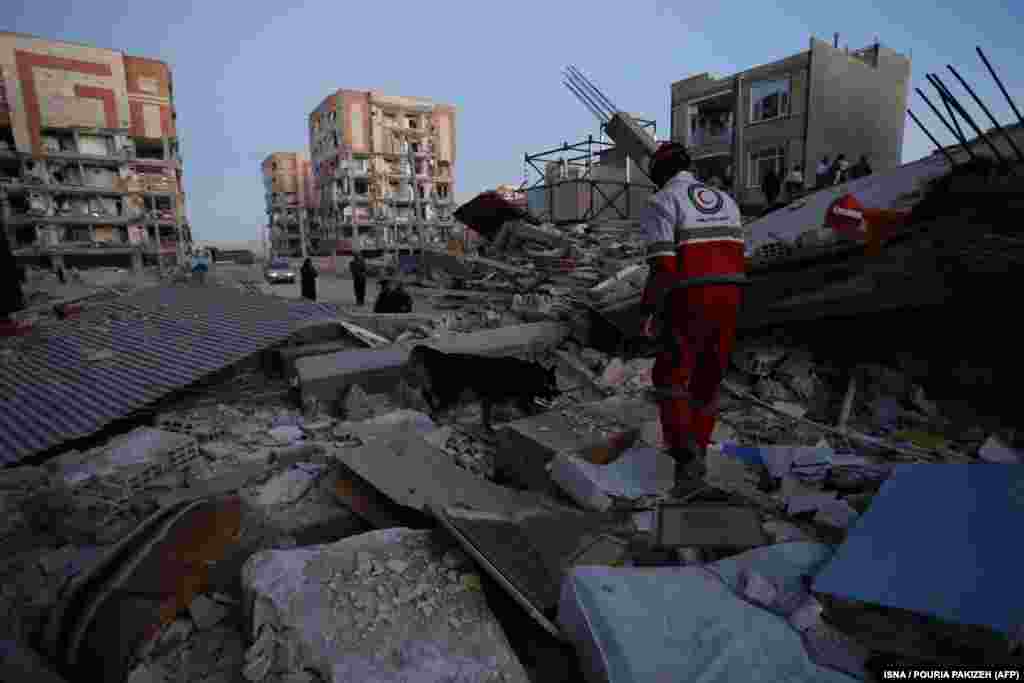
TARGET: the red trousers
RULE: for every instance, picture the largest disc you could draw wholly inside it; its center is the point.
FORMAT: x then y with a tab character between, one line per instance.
687	374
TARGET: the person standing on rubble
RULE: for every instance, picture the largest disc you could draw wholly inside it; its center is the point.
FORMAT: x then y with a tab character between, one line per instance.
695	250
358	270
308	273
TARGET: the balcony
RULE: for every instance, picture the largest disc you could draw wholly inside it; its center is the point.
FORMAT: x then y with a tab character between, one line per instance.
703	137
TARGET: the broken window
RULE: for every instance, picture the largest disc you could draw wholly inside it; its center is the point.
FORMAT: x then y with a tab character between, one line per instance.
26	236
413	123
415	148
6	139
10	170
422	191
773	158
769	99
57	141
95	145
146	148
18	203
361	186
442	190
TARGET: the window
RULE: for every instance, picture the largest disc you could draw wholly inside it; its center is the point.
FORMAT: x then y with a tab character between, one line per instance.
361	186
413	123
764	160
442	190
769	99
415	148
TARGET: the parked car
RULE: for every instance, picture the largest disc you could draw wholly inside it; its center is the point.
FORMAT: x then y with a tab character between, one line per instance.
279	270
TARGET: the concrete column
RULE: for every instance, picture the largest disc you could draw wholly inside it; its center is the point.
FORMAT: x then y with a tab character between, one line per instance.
302	232
136	261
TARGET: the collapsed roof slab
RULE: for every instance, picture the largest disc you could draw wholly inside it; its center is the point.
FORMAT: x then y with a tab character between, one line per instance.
323	378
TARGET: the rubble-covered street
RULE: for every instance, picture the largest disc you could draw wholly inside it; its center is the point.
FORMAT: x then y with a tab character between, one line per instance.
215	470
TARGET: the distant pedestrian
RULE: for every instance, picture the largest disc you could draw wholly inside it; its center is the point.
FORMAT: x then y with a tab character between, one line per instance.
771	185
309	275
824	168
840	170
795	181
358	270
862	168
384	302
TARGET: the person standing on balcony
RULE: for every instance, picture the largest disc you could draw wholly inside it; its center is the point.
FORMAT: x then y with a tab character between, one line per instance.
694	247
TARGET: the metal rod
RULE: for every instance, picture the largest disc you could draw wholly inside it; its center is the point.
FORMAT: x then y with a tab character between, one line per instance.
586	103
594	97
970	121
1000	84
981	105
593	88
932	138
583	81
949	108
581	92
946	123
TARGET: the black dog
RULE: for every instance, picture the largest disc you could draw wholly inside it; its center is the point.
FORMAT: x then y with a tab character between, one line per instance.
444	377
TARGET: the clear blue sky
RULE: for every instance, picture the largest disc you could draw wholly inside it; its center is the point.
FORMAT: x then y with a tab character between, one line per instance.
246	74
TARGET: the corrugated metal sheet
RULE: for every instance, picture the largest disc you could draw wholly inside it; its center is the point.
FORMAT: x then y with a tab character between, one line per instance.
57	384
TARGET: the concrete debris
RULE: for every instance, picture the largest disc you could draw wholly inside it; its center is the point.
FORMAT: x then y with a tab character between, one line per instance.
206	613
996	451
801	448
286	487
638	473
337	615
285	434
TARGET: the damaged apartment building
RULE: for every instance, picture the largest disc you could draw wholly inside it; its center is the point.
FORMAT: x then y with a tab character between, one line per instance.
90	169
824	101
384	168
292	218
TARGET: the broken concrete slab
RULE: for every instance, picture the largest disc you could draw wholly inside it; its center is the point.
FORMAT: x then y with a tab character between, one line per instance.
639	472
380	370
354	492
691	525
413	473
206	613
337	610
392	325
324	377
585	426
528	552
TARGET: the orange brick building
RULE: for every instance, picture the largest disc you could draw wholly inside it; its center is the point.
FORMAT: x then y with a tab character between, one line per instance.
90	167
291	204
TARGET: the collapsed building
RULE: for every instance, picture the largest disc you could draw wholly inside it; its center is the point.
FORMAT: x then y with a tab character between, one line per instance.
90	159
291	204
383	167
278	504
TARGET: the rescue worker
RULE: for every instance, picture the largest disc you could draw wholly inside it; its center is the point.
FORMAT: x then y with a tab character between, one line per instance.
695	251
